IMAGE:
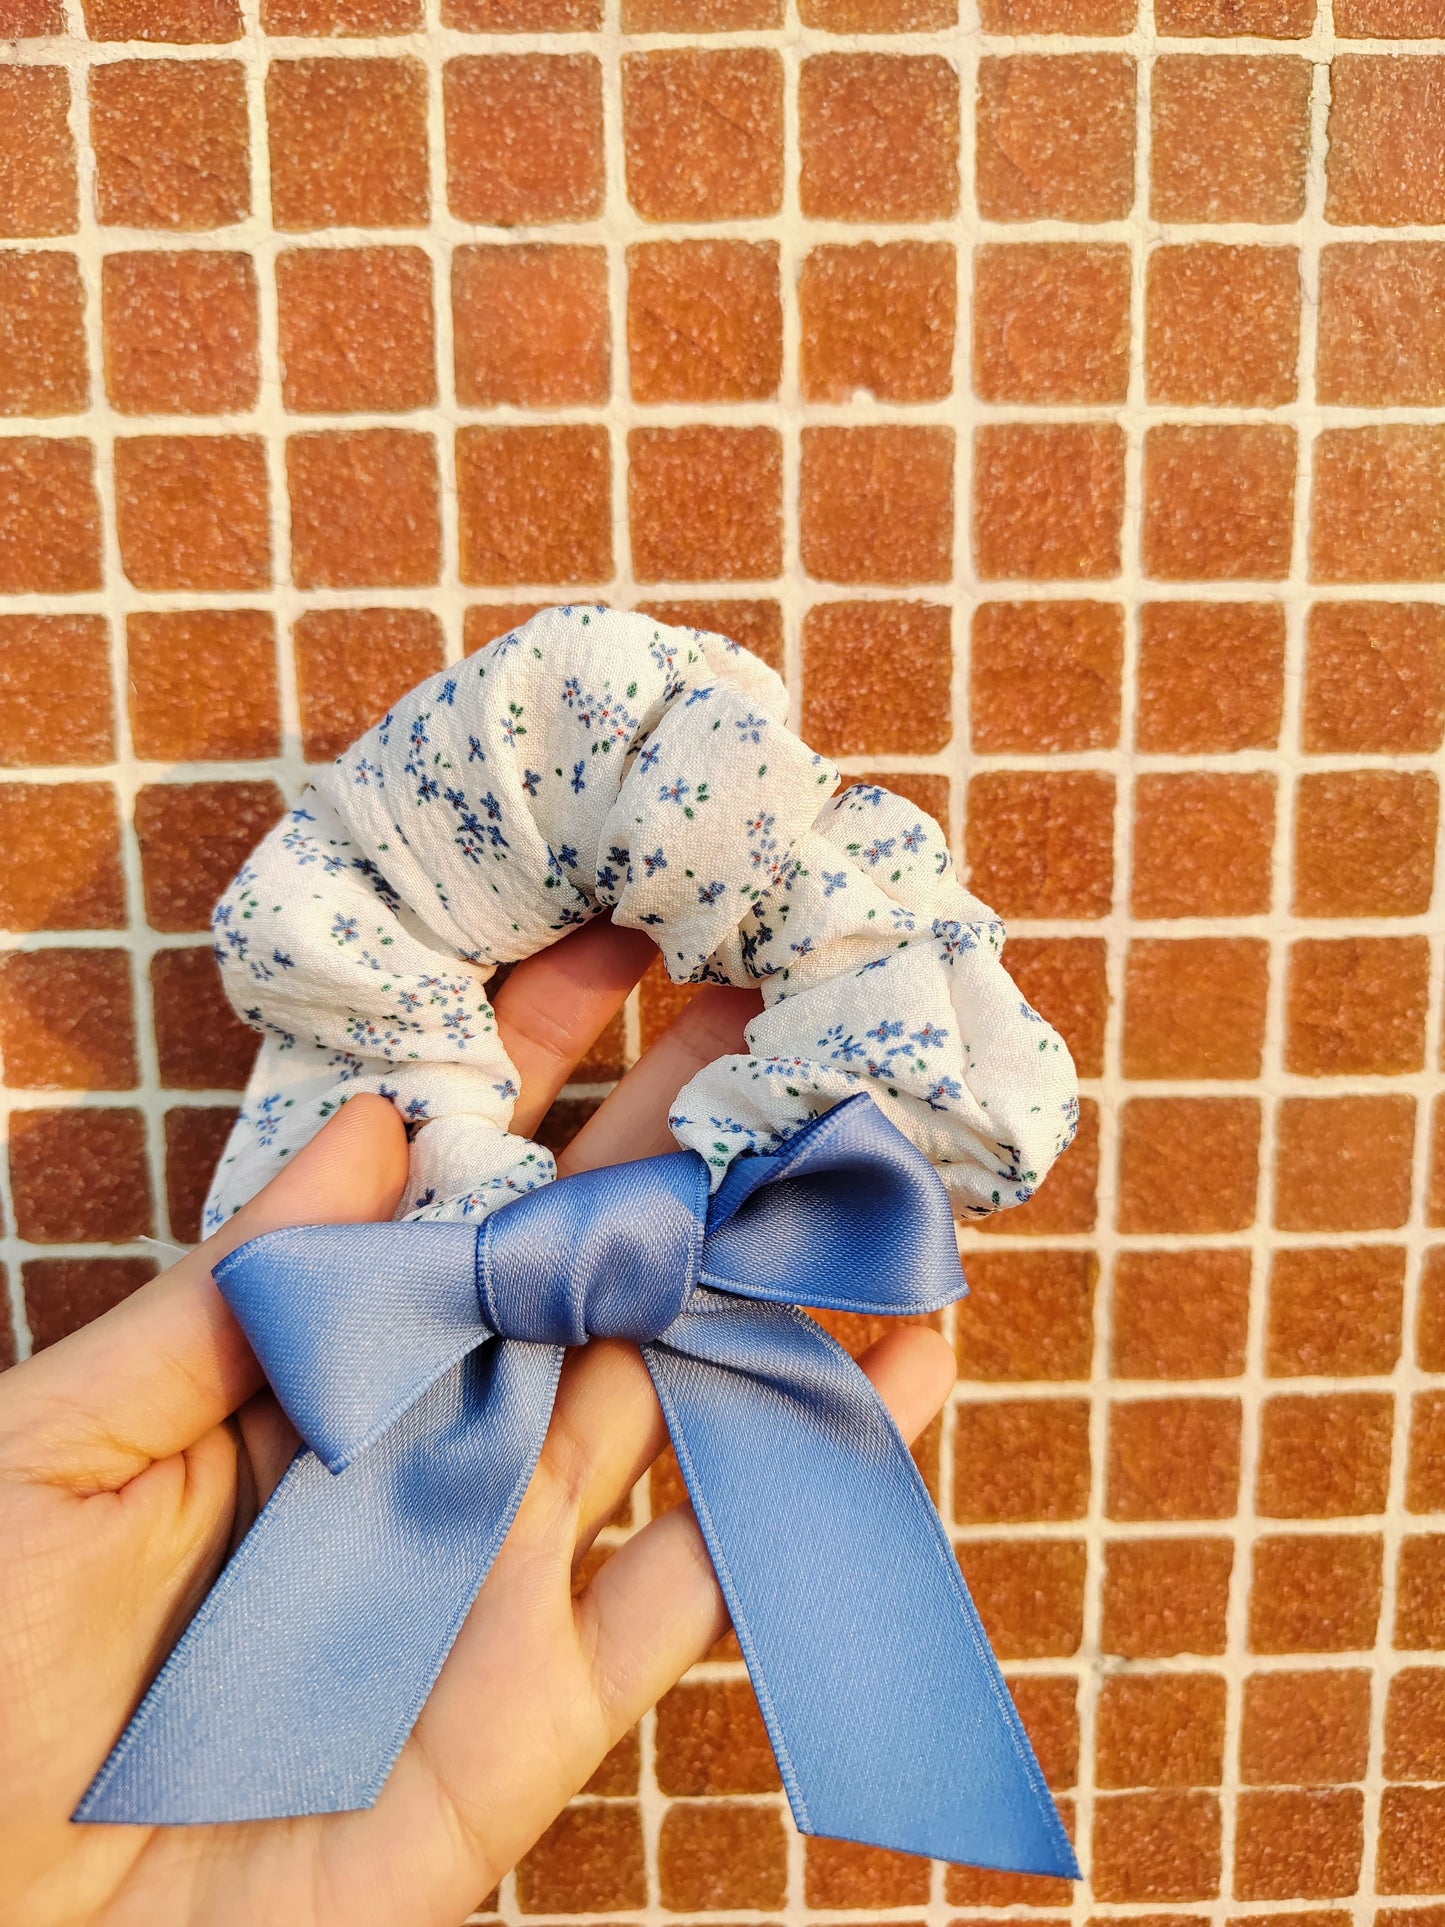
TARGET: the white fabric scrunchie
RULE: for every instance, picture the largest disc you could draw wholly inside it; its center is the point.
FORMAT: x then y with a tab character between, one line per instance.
593	760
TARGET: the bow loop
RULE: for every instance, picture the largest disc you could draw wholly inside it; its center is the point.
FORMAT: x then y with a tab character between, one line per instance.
613	1253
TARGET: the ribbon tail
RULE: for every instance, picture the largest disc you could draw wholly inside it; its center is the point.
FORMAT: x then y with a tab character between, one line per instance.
300	1678
889	1716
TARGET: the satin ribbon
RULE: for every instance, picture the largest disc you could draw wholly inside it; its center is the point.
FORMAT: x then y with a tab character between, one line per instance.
305	1669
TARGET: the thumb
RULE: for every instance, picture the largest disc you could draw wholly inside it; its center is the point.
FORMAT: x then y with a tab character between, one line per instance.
151	1376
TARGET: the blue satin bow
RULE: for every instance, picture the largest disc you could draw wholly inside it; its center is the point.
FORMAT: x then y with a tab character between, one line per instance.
304	1671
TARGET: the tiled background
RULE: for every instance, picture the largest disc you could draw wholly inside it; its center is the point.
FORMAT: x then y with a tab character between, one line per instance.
1054	395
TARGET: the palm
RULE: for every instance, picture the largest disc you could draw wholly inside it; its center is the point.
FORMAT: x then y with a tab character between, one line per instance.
118	1541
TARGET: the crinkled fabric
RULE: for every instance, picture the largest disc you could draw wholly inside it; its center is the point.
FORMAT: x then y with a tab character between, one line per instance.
592	761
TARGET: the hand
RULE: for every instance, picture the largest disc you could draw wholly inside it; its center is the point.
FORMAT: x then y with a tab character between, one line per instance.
134	1455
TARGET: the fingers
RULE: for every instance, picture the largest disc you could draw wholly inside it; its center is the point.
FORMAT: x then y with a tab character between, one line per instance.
555	1005
656	1607
160	1370
632	1122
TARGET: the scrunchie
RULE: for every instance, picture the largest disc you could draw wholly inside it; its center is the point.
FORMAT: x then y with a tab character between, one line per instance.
589	761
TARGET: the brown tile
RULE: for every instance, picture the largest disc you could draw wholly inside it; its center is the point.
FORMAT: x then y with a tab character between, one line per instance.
856	657
1386	20
1377	347
55	690
1055	137
1425	1480
1303	1845
1045	675
1375	514
60	857
174	22
201	1044
1343	1163
1064	978
31	20
984	1887
1430	1324
1194	1007
1068	1198
878	317
590	1860
1230	137
1040	843
1203	844
704	320
703	133
1021	1459
1259	288
1228	19
62	1294
80	1176
531	326
1420	1593
1211	676
721	1855
711	1740
535	504
756	624
193	838
1179	1314
367	18
621	1769
705	504
1048	500
37	182
1383	141
879	16
49	517
1048	1705
1415	1725
877	504
172	143
700	16
879	137
1188	1164
1163	1597
42	335
365	508
352	665
67	1020
1174	1458
1160	1730
195	1138
1315	1593
1051	322
927	793
524	138
1357	1005
1375	677
182	332
1029	1594
840	1873
1304	1728
1324	1457
193	511
1334	1312
1156	1846
484	622
356	329
1365	843
1411	1857
1218	501
1028	1315
348	143
203	685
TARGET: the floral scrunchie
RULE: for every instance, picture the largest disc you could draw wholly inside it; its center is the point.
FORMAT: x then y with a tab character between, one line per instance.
591	760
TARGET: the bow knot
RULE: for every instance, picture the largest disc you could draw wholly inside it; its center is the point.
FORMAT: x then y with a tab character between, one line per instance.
613	1253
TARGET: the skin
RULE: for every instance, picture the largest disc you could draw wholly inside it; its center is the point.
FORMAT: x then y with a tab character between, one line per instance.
135	1453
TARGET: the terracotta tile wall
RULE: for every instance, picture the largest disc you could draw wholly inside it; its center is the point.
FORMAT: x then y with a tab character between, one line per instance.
1053	394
